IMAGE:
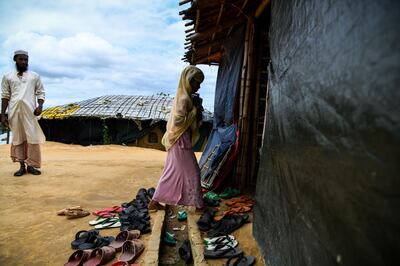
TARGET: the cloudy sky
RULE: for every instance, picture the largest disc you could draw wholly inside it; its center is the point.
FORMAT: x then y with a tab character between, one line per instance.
88	48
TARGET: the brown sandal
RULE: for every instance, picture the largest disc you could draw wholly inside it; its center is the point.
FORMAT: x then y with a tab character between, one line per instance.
76	214
100	256
64	211
131	249
122	237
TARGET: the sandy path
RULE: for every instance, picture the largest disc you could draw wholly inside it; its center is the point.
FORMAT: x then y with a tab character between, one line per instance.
94	177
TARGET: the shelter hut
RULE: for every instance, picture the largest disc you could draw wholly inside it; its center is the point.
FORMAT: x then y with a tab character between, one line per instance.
114	119
307	118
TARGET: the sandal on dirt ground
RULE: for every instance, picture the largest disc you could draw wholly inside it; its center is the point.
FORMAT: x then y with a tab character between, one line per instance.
225	244
218	253
205	221
112	223
169	239
99	220
220	238
84	236
32	170
100	241
100	256
78	257
228	224
71	214
240	200
212	195
185	252
182	215
63	211
229	193
241	261
131	250
108	212
122	237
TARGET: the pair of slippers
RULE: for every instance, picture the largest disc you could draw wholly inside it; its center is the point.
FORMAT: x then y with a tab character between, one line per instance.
73	212
90	240
126	241
206	219
227	224
98	256
108	212
105	222
185	252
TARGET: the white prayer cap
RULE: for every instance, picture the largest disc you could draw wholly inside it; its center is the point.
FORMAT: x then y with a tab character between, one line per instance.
18	52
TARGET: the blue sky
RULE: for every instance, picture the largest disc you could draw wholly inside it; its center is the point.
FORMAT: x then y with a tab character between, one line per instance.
88	48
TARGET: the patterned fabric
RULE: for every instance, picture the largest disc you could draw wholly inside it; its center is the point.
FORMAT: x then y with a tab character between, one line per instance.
28	153
180	180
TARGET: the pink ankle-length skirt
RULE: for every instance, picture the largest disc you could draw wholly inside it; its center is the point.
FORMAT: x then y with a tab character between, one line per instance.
179	183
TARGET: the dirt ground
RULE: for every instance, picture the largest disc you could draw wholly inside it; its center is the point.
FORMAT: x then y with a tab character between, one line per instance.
94	177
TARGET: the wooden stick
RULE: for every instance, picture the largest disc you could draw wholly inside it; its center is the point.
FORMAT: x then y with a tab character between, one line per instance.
189	23
184	2
189	30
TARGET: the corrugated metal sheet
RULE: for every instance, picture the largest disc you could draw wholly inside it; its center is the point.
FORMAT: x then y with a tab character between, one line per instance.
155	107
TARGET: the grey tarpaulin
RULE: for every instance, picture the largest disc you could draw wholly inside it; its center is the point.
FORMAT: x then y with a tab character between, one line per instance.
328	190
224	127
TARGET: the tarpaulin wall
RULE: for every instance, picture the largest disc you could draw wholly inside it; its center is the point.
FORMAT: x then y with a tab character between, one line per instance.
87	131
328	186
223	134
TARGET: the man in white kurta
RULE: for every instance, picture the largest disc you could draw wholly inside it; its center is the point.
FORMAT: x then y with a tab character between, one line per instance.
19	91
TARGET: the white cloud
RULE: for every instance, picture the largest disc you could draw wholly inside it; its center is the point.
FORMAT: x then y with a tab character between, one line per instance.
84	49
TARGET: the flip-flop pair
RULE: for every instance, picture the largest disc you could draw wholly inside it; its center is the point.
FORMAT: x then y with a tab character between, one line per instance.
108	223
108	212
241	260
73	212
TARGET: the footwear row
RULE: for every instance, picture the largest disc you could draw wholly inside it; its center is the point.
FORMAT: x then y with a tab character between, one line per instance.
126	242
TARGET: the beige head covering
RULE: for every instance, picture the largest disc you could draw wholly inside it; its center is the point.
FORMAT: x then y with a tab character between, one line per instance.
183	114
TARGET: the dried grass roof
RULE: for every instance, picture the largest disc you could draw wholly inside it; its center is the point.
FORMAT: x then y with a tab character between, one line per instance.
210	23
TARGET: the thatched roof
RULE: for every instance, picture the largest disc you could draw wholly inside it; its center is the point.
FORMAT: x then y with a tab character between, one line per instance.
155	107
210	23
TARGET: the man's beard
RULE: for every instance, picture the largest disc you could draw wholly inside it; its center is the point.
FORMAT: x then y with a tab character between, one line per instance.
21	68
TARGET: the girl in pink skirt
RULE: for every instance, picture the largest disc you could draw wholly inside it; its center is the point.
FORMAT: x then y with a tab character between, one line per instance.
180	180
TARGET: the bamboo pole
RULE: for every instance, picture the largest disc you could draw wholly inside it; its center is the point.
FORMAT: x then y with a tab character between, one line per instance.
255	119
247	96
238	168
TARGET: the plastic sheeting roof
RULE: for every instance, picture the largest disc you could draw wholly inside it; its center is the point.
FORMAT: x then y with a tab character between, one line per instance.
155	107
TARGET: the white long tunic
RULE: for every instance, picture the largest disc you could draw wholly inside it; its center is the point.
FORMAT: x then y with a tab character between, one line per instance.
22	93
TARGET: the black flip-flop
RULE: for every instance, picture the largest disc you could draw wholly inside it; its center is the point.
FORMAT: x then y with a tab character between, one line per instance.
228	224
185	252
84	236
205	221
241	261
218	252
